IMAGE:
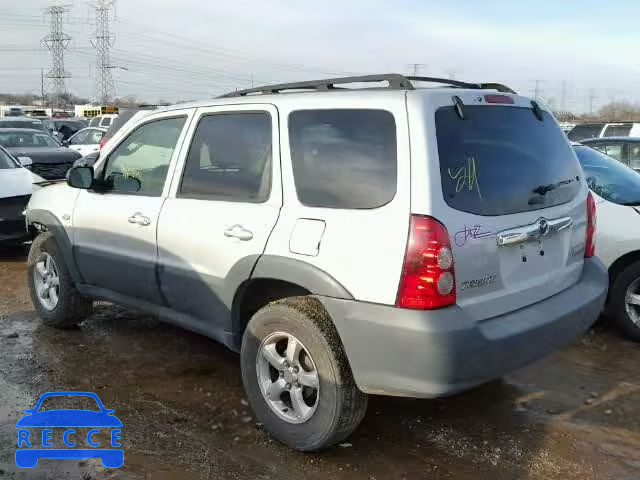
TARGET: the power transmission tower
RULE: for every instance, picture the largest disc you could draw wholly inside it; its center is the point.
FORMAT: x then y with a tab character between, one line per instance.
104	40
592	99
414	68
563	97
57	42
452	73
537	91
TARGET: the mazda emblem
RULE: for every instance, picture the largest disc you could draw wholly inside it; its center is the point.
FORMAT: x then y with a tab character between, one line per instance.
543	226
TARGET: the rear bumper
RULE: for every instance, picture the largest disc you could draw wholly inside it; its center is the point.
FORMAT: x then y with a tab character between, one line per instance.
413	353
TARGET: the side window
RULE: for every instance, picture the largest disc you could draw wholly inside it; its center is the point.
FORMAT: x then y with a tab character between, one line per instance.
106	122
229	158
95	137
344	158
80	138
614	151
139	165
634	156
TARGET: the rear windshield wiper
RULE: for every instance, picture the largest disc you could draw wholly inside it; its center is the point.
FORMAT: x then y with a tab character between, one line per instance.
544	189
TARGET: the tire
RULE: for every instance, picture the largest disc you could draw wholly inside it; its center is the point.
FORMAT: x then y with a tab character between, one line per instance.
617	305
339	405
71	308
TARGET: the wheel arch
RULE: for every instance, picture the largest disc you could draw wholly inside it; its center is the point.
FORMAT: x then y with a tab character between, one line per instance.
43	220
274	278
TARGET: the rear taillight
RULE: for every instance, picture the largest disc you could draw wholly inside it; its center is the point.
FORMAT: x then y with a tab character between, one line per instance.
103	141
590	250
428	279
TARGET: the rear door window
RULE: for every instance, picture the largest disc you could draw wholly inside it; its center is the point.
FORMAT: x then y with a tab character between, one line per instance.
344	158
230	158
503	160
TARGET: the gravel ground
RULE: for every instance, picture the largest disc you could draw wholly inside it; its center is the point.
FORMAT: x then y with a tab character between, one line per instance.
574	415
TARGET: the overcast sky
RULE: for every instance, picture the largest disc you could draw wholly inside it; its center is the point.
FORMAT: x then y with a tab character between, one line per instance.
189	49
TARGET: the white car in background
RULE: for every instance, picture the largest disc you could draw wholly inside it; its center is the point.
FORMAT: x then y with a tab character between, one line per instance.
103	120
16	186
616	190
87	140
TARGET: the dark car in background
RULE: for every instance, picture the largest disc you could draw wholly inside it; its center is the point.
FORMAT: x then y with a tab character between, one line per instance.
49	158
585	130
623	149
23	122
65	128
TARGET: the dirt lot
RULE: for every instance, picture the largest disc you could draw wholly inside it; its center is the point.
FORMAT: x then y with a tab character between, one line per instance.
575	415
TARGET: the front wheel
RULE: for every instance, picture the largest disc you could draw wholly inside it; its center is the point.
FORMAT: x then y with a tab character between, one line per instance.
297	377
624	301
53	294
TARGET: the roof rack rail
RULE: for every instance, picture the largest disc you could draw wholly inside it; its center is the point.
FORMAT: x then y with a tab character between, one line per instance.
395	82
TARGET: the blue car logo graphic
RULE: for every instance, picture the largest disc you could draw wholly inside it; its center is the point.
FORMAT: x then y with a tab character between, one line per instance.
32	448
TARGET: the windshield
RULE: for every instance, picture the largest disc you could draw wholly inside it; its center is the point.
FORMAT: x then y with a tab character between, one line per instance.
18	139
503	160
580	132
609	178
6	162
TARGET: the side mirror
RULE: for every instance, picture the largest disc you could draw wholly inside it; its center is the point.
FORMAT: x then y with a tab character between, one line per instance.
25	161
65	143
80	177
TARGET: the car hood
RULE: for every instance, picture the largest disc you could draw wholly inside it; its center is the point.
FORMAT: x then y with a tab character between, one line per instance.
46	154
16	182
69	418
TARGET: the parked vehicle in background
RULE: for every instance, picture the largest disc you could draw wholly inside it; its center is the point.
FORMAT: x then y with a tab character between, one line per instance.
23	122
382	248
617	193
585	130
50	159
599	130
623	149
567	126
86	140
37	113
102	120
65	128
16	186
125	116
13	112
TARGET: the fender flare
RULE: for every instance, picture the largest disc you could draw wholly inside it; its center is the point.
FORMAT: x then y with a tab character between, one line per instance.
308	276
53	225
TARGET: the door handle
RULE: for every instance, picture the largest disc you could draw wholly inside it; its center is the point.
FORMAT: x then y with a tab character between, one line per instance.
239	232
140	219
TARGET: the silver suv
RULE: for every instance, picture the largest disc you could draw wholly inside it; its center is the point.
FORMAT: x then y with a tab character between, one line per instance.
346	241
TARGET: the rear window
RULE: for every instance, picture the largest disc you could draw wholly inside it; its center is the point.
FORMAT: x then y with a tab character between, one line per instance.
617	131
580	132
344	158
503	160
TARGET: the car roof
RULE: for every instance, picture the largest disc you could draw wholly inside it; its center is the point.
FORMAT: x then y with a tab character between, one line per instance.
292	97
398	86
612	139
20	119
21	130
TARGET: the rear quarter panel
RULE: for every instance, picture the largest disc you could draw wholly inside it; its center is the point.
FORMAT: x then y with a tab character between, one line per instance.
362	249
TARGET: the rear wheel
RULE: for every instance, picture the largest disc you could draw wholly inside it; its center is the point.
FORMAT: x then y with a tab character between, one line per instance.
53	294
297	377
624	301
